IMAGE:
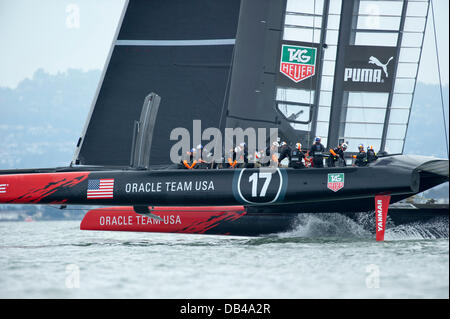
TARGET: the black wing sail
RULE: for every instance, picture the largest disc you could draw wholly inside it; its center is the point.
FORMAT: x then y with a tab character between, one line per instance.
180	50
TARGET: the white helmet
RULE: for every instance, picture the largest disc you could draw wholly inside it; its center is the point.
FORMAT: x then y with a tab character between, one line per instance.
344	145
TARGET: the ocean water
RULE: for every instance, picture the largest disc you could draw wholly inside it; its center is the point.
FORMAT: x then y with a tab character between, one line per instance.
315	260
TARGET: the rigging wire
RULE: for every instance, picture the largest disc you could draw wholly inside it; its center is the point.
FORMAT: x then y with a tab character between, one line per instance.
310	79
440	80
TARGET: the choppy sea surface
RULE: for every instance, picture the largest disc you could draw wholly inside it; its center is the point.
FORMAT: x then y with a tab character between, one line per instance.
57	260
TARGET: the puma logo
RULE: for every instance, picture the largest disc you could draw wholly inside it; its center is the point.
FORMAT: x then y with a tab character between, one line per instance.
374	60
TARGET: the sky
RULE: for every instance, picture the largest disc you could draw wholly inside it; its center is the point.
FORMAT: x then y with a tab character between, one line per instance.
57	35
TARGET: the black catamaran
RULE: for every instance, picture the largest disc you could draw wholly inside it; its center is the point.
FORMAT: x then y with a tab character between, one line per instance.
344	70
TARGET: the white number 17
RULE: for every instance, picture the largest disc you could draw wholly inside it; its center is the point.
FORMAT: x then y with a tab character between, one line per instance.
254	180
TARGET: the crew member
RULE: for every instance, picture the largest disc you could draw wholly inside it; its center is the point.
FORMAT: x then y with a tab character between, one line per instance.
257	158
285	152
308	159
190	162
361	158
316	152
297	156
232	158
371	155
200	162
337	156
270	157
243	155
208	159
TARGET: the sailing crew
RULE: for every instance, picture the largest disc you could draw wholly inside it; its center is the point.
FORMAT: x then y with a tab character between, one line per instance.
285	152
297	156
243	155
316	152
257	158
337	156
200	162
190	162
232	158
208	159
361	157
371	155
270	157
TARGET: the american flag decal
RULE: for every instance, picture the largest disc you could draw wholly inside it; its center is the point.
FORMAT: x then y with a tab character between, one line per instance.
100	188
3	188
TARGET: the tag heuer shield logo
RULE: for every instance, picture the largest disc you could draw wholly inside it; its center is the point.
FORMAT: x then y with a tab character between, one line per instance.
335	181
298	62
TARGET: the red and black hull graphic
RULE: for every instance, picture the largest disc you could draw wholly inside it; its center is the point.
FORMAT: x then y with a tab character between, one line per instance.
42	188
216	220
194	220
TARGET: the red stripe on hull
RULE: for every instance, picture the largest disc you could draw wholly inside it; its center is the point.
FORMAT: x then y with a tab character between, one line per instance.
192	220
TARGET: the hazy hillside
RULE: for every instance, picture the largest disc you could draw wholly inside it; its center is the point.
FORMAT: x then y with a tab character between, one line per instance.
426	135
41	120
426	126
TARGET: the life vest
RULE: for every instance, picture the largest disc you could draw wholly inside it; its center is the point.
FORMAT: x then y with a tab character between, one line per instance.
317	150
296	156
371	156
360	159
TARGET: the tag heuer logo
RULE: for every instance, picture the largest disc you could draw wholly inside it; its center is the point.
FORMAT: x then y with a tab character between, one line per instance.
297	62
335	181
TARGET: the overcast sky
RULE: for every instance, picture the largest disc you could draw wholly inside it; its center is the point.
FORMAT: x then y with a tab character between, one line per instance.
57	34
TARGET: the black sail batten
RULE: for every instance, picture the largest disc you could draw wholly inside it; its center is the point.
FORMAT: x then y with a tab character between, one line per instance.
182	51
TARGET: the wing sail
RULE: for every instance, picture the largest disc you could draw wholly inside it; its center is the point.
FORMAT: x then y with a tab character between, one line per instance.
182	51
